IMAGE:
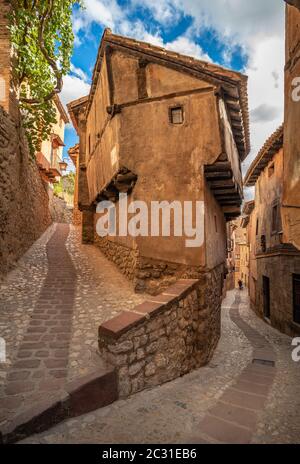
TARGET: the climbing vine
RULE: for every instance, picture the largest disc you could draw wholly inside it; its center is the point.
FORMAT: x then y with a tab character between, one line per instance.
42	40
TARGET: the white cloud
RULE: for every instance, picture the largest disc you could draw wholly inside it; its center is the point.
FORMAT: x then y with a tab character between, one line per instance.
264	91
186	46
164	12
137	30
265	113
104	12
73	88
236	20
78	72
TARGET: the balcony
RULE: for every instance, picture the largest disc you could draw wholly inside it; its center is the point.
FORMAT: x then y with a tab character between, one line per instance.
49	171
226	189
52	169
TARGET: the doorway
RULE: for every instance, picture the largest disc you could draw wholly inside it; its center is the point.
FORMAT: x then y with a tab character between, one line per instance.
296	297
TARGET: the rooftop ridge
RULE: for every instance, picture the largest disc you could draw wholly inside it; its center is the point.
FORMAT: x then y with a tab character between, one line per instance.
273	143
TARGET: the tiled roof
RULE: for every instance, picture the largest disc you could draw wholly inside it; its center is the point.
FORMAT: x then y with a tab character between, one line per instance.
74	152
270	148
233	84
248	207
75	106
61	109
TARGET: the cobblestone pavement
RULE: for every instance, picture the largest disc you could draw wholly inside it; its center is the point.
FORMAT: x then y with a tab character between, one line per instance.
50	308
208	405
102	292
18	295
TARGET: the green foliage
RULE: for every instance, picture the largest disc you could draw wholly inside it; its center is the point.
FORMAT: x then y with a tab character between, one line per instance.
42	39
65	185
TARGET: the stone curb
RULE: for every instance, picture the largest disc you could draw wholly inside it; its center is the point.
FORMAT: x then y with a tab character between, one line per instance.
117	326
80	396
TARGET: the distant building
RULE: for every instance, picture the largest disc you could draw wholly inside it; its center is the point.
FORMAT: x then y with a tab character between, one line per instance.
50	157
274	224
274	263
291	173
77	214
238	253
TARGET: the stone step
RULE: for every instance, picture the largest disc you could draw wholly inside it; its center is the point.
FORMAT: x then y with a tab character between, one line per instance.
92	391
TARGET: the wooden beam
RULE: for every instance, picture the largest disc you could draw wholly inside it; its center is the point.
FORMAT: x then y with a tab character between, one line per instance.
231	210
218	166
231	203
228	191
218	175
221	184
224	198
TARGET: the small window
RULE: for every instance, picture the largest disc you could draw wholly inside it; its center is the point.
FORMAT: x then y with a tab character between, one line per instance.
275	218
176	115
257	226
89	144
271	170
263	243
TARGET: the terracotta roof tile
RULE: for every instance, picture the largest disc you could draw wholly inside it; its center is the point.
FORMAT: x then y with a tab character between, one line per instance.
269	149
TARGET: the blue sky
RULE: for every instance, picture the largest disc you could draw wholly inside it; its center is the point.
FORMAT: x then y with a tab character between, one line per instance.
245	36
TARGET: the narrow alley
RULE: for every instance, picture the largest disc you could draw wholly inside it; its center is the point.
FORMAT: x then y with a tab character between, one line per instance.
51	306
249	392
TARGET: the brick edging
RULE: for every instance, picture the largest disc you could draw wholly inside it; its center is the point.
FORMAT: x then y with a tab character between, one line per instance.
233	419
117	326
80	396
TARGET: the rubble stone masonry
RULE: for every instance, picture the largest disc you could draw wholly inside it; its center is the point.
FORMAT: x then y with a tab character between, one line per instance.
148	275
166	336
24	201
283	265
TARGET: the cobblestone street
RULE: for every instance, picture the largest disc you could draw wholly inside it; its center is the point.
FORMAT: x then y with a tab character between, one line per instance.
51	307
230	400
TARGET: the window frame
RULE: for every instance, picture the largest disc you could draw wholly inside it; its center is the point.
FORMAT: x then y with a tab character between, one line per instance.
276	228
173	108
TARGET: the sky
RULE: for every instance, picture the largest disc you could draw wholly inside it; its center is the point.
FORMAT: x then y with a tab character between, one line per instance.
238	34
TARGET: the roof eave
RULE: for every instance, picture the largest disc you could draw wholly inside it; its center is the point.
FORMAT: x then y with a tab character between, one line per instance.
227	77
273	144
61	109
74	107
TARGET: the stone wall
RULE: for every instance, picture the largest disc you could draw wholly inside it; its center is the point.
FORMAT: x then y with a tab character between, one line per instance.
148	275
165	337
124	257
230	281
87	224
59	210
77	216
24	201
